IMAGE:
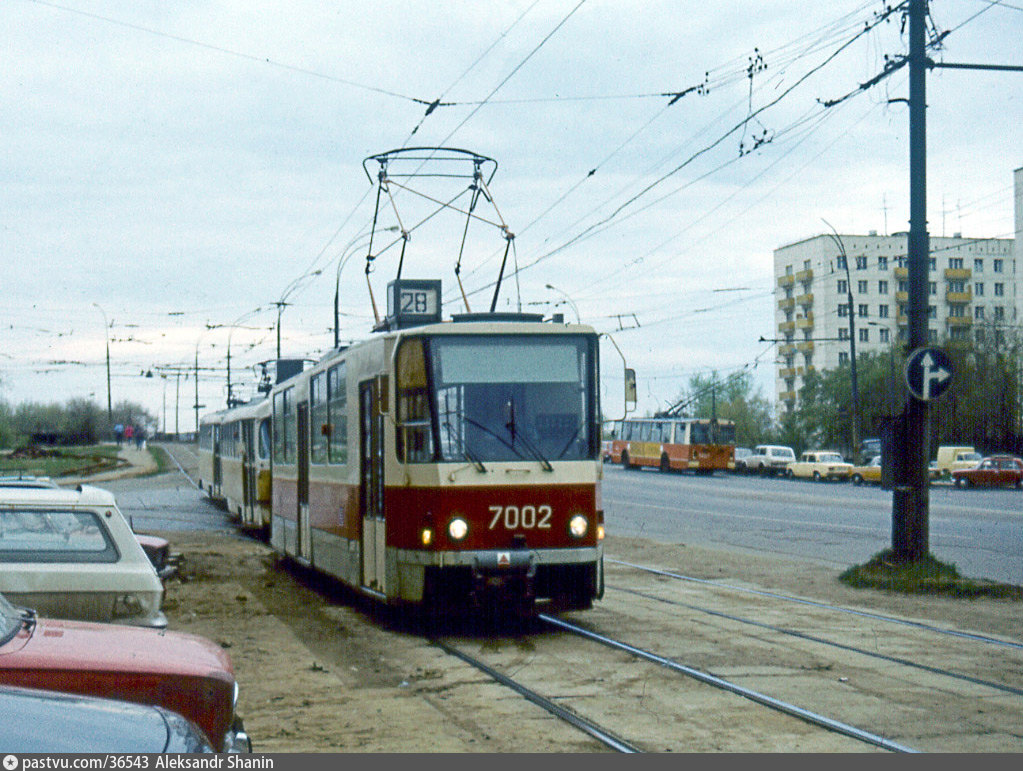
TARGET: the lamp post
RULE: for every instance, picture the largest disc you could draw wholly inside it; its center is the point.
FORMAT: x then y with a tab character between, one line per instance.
852	341
106	332
568	299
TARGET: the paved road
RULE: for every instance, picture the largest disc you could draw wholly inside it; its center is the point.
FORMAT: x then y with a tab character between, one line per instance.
838	524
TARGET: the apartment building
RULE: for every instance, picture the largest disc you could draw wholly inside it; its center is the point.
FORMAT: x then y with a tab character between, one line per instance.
975	289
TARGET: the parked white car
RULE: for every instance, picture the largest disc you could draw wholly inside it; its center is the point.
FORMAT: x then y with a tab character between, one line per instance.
769	459
71	554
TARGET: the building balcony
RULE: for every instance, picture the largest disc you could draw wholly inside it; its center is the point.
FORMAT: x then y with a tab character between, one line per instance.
805	347
786	303
804	371
805	276
959	321
805	299
902	297
805	323
902	320
787	373
787	349
959	297
902	273
787	396
787	280
787	326
957	273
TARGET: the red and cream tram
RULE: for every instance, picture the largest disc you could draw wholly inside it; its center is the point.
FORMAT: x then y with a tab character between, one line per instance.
443	464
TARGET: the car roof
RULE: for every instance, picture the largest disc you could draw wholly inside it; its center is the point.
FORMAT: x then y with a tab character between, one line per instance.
83	495
27	481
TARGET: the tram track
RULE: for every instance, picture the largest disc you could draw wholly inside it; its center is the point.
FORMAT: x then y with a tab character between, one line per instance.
823	641
823	605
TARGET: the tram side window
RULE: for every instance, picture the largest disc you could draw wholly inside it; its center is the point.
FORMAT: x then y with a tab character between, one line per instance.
337	414
264	438
321	428
415	432
284	427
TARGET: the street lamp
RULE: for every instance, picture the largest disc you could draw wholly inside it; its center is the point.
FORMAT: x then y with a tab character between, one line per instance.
569	299
852	340
106	332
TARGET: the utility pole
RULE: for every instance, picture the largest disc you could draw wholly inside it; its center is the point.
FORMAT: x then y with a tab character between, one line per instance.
853	381
910	492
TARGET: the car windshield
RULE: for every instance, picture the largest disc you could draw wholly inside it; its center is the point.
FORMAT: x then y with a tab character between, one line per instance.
974	456
497	398
11	619
54	535
830	457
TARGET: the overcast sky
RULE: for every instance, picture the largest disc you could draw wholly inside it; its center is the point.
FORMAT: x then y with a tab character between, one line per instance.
170	167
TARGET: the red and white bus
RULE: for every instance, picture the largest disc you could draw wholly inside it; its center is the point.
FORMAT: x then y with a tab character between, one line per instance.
674	444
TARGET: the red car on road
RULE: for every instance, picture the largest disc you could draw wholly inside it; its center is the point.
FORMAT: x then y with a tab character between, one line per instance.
181	672
996	471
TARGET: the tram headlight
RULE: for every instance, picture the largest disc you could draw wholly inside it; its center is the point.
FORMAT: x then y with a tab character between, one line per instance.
578	526
426	536
458	528
600	532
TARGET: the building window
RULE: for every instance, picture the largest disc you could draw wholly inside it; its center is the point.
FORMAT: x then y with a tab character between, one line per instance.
999	337
882	287
864	335
882	335
882	263
843	358
979	335
932	311
998	266
956	263
843	287
840	262
934	263
978	289
861	263
978	312
861	287
999	290
932	336
843	333
934	287
978	266
788	270
882	311
863	311
999	313
843	310
956	285
806	265
957	311
959	333
903	285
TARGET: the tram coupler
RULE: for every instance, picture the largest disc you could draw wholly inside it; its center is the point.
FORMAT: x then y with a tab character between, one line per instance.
510	574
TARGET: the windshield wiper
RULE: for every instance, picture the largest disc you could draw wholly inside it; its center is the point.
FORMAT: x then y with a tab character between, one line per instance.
469	456
534	451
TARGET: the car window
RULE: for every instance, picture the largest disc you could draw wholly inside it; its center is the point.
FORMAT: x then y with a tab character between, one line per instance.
830	457
33	535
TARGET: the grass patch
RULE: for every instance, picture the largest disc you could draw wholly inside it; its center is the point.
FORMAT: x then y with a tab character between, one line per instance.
60	461
163	461
927	576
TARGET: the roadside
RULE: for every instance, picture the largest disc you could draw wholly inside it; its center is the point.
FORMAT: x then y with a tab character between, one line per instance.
133	462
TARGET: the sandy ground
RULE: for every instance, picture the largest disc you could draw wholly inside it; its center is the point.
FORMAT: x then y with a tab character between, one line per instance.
322	671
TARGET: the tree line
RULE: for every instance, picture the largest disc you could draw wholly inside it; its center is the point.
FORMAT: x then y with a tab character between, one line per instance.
76	422
983	407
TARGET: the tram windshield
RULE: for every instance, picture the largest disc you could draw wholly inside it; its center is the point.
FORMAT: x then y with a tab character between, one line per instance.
497	398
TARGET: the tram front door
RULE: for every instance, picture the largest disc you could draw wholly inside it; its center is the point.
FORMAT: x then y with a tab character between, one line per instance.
371	486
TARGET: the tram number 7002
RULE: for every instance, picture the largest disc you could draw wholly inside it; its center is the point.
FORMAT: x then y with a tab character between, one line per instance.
521	517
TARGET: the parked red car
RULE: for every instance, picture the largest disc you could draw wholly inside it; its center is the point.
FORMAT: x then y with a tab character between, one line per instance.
996	471
181	672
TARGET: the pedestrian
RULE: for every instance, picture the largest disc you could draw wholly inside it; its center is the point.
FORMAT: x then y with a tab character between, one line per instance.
140	437
129	433
119	433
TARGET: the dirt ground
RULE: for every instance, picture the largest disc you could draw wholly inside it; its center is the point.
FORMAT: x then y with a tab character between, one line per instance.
320	671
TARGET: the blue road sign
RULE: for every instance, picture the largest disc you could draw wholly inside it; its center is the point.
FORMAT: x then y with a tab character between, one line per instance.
928	373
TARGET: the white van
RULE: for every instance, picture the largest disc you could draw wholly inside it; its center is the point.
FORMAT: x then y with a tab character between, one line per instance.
770	459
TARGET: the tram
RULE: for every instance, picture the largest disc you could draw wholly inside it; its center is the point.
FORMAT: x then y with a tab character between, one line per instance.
438	463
